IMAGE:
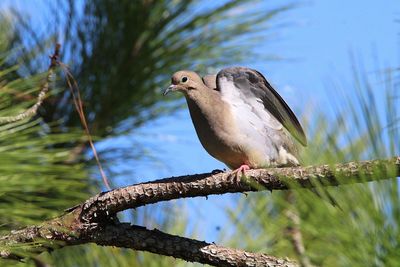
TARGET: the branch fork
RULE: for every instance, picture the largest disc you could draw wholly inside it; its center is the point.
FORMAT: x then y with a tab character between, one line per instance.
94	221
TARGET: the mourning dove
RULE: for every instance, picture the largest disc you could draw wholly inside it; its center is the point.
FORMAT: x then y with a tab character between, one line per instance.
240	119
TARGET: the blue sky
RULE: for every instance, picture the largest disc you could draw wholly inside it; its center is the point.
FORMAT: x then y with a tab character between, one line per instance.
316	42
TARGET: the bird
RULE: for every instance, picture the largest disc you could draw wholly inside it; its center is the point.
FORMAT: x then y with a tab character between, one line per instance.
240	119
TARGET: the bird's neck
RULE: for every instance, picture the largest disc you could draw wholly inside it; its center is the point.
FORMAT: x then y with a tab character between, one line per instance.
203	102
207	109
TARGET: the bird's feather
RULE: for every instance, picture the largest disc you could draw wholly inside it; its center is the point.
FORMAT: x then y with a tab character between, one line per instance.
251	96
210	81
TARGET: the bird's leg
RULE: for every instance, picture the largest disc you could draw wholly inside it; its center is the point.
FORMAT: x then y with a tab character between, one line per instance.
237	174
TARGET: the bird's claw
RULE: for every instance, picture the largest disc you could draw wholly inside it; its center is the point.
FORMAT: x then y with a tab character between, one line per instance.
237	174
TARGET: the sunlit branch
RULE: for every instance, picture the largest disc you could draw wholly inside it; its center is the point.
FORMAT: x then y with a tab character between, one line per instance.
111	202
94	221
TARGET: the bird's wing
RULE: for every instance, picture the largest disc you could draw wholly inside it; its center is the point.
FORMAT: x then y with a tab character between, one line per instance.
247	91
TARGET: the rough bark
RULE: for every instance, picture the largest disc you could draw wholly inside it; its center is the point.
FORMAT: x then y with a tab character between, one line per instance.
95	221
105	204
138	238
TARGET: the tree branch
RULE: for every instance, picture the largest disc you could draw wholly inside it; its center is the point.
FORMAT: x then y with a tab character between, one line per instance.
95	220
140	238
105	204
134	237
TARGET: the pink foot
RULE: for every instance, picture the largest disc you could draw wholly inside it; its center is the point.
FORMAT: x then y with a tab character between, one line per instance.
239	172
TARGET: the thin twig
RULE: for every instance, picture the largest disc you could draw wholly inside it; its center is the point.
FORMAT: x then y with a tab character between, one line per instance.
294	231
32	111
76	96
73	85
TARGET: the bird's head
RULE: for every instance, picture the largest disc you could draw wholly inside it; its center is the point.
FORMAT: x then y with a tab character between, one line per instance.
184	81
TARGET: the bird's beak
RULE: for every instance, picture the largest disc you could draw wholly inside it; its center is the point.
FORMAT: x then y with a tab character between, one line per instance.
170	88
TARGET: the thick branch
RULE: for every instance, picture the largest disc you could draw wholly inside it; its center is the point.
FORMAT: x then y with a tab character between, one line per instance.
109	203
95	221
134	237
140	238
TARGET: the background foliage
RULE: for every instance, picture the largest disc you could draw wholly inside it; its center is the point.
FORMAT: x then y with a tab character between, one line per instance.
36	180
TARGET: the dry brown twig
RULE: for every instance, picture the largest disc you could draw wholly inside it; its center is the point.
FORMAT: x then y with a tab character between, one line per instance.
73	86
32	111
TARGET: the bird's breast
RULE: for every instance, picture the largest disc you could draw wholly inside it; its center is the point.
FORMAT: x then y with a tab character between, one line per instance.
221	136
215	131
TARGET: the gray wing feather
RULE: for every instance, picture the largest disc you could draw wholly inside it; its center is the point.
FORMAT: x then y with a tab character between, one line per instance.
254	85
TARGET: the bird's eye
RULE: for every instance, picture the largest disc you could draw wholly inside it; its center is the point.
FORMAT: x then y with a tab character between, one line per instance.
184	79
